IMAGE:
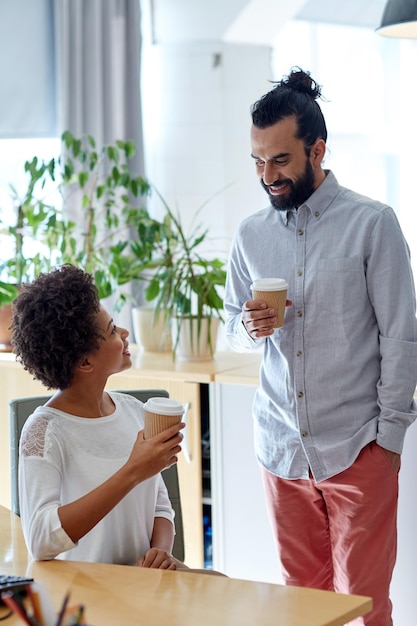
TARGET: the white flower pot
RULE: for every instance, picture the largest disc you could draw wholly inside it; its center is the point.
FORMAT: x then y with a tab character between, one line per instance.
152	332
188	344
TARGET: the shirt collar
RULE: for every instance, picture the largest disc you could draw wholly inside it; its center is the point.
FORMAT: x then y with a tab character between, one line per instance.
320	199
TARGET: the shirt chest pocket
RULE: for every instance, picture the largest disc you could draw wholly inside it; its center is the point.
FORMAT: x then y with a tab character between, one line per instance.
340	284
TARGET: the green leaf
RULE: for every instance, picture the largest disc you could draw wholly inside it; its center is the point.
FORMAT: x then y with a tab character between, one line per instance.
68	138
116	175
134	188
113	154
152	290
130	149
100	190
76	147
83	179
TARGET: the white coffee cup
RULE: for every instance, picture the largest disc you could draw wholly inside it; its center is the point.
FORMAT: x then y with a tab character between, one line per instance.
160	414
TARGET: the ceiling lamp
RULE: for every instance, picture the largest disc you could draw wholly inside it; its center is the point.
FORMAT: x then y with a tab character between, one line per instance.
399	19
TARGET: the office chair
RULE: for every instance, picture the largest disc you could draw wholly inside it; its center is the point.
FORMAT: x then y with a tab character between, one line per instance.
21	408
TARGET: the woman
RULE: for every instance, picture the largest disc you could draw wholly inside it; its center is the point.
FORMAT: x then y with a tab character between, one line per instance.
90	485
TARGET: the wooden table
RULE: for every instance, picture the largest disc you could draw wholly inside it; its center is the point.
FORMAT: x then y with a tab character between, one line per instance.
116	595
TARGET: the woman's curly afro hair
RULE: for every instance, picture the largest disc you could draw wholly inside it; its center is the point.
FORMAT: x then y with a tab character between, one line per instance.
54	324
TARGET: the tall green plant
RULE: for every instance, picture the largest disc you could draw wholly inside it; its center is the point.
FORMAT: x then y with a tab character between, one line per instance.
109	209
99	188
185	283
39	233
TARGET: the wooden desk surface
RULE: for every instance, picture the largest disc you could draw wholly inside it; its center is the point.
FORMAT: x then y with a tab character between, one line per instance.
121	595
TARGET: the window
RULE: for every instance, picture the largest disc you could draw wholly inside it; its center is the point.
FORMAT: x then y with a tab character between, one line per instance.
13	154
368	81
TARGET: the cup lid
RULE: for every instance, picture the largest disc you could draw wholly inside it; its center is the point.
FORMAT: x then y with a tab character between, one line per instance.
165	406
269	284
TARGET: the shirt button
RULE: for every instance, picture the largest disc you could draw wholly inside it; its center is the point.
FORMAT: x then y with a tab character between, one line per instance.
301	232
299	314
300	394
299	353
304	433
299	273
316	214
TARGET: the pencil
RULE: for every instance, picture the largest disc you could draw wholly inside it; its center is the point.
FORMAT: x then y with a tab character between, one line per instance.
63	609
79	615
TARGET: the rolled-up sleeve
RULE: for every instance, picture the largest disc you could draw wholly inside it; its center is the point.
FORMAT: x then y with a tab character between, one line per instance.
396	387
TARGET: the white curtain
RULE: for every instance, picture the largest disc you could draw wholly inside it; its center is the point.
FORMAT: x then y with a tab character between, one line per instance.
98	47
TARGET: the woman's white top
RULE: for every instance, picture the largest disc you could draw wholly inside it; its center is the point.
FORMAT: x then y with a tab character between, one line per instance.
63	457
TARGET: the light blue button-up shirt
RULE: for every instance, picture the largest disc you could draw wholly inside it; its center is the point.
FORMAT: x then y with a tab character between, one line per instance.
342	370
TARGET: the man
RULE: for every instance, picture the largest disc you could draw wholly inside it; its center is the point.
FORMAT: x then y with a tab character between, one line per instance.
337	380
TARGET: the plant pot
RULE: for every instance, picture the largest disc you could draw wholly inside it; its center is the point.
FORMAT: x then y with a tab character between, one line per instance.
5	333
151	332
191	345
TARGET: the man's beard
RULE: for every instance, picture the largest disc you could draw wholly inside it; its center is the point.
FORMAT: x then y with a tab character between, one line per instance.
299	191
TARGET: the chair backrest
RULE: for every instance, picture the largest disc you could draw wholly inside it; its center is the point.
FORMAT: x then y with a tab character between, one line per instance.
21	408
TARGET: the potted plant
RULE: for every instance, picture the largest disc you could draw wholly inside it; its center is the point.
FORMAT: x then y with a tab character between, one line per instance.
151	325
114	238
186	285
100	182
36	239
37	234
105	195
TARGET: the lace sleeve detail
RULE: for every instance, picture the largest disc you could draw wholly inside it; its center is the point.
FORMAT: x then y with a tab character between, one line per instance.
32	442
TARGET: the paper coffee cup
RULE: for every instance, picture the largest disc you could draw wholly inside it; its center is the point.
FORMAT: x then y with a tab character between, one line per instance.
272	291
160	414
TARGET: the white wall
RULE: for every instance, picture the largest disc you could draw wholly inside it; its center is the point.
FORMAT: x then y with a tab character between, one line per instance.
404	583
243	545
196	122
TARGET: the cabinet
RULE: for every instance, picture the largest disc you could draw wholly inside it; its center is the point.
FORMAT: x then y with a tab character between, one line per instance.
15	382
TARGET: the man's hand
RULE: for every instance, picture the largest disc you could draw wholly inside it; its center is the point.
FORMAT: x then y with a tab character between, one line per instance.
394	458
258	319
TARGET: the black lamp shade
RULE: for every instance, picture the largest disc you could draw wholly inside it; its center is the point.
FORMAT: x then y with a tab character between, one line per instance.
399	19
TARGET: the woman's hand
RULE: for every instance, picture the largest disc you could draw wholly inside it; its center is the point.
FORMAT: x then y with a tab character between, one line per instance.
151	456
157	559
